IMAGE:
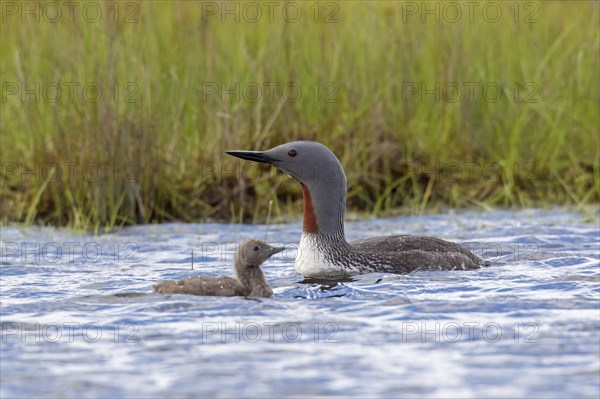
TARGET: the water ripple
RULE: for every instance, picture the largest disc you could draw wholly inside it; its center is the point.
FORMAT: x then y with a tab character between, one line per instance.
83	321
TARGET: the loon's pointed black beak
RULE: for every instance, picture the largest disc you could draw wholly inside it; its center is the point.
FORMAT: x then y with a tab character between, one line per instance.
256	156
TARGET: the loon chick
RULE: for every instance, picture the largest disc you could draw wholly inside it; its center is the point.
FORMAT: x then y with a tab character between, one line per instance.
324	251
250	279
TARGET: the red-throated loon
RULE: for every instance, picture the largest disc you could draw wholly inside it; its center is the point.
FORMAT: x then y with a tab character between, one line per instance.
250	279
324	251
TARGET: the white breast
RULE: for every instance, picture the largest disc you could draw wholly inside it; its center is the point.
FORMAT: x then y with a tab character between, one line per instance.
310	262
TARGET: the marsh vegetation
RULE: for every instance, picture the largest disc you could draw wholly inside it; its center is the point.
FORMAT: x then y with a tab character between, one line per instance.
126	119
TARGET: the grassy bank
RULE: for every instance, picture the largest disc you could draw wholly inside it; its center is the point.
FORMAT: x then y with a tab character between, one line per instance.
421	113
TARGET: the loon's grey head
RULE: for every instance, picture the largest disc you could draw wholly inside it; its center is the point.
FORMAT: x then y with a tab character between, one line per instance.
322	178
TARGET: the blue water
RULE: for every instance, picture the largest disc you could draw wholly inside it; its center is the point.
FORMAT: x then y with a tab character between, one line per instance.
79	317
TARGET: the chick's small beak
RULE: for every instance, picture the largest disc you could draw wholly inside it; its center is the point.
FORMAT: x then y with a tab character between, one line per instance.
275	250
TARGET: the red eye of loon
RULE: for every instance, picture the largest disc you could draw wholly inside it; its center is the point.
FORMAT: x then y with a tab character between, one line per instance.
292	153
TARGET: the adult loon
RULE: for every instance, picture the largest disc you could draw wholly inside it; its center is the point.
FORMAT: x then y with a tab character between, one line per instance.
324	251
250	280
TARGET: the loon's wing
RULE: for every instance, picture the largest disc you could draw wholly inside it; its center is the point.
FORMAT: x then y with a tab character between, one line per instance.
415	244
205	286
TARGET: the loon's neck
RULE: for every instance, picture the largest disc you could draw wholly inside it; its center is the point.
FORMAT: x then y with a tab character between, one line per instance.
324	211
323	249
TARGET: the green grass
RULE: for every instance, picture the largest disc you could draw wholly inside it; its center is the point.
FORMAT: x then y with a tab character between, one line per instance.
539	153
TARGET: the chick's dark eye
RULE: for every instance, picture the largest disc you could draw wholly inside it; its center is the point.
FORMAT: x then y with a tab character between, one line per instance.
292	153
255	248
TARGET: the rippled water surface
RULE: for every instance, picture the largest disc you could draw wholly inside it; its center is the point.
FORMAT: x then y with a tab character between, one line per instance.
79	317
